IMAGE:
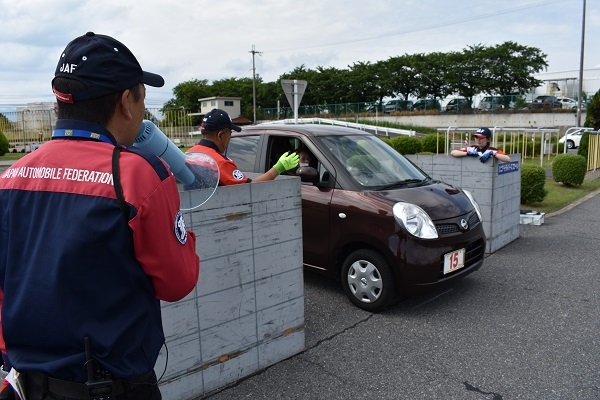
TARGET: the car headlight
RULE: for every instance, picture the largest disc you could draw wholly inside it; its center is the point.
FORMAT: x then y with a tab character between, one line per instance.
415	220
472	199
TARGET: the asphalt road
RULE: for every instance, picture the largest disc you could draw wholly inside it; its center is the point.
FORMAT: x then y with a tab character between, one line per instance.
525	326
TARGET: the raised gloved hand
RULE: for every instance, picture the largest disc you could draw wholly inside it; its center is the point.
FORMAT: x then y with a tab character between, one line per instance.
488	153
472	151
286	161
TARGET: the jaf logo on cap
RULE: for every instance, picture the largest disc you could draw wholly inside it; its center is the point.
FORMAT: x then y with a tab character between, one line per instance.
104	65
217	119
483	133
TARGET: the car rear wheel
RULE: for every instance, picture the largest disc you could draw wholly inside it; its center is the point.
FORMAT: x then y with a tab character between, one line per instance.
570	144
367	280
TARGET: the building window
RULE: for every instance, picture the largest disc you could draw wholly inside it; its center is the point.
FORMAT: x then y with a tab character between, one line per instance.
228	103
213	103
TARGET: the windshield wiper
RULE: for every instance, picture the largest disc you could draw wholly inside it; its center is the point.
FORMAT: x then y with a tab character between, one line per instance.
402	183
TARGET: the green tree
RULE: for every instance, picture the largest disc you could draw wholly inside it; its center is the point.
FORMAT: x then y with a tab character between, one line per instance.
430	75
466	72
364	82
511	68
401	72
234	87
592	117
187	94
311	94
3	144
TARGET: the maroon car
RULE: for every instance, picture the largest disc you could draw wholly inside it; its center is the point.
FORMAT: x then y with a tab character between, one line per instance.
370	218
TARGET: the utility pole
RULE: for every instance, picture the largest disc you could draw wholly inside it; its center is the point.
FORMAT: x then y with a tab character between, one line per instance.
253	51
580	97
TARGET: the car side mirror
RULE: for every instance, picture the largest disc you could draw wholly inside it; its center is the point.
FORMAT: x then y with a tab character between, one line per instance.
308	174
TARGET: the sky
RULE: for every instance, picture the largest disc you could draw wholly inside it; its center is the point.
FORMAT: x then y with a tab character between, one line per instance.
185	40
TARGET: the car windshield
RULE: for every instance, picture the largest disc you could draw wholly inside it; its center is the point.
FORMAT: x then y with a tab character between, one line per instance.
373	163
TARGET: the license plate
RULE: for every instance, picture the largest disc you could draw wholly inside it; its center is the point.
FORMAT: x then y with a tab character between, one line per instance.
454	261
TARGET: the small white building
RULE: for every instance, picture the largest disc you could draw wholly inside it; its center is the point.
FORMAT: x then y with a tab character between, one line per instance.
231	105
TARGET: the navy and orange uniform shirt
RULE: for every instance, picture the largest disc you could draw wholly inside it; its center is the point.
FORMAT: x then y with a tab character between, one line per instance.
73	263
229	174
482	150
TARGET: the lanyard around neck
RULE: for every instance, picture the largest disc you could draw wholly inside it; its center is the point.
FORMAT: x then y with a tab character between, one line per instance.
80	133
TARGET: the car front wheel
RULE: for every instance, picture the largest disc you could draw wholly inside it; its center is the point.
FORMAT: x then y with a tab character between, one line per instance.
367	280
570	144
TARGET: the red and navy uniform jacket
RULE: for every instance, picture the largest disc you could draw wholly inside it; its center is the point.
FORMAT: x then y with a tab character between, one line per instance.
481	150
229	174
73	266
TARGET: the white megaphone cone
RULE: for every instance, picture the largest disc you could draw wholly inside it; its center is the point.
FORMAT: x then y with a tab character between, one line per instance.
151	138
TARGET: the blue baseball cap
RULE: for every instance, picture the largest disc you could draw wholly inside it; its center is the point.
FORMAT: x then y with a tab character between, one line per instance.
104	65
483	133
217	119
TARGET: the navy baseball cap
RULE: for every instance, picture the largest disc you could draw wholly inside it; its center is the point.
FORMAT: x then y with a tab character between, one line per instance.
216	119
104	65
483	133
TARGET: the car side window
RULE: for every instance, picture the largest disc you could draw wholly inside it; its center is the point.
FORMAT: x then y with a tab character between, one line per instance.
278	145
243	150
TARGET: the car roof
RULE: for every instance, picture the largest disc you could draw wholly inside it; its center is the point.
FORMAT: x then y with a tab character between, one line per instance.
304	129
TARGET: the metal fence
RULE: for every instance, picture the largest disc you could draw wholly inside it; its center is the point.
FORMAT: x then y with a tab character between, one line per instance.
480	104
531	143
29	127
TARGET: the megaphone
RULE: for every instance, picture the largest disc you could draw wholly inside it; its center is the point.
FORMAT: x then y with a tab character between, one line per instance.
198	172
155	141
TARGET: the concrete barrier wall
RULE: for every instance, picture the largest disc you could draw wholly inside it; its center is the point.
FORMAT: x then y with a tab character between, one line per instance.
523	120
495	186
247	311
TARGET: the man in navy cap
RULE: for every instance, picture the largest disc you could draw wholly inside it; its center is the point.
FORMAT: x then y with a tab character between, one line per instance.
482	148
216	131
92	238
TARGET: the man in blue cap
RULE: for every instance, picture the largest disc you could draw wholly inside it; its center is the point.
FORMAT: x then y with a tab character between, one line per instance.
216	131
481	148
92	238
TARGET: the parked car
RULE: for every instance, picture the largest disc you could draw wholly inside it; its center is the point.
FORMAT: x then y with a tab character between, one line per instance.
375	106
426	104
398	105
490	103
573	137
570	103
370	218
545	102
457	104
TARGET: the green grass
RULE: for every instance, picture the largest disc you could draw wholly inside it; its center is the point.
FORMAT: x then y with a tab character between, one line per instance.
11	156
560	195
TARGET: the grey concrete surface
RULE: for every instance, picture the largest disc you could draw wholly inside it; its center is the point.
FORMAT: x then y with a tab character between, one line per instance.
525	326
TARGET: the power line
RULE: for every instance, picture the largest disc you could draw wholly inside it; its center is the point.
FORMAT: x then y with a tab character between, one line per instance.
425	28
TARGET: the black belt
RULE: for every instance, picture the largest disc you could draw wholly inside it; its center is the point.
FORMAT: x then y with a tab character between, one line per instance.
76	390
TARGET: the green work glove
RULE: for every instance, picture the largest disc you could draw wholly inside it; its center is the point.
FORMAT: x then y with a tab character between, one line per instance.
286	162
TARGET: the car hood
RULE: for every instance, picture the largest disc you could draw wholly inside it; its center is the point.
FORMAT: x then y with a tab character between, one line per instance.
439	200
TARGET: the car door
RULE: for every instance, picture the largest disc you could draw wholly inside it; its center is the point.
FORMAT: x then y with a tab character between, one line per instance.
316	199
258	153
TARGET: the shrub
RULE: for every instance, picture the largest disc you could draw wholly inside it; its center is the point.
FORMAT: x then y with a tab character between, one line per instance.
533	179
407	145
569	169
592	115
582	150
434	143
520	103
3	144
